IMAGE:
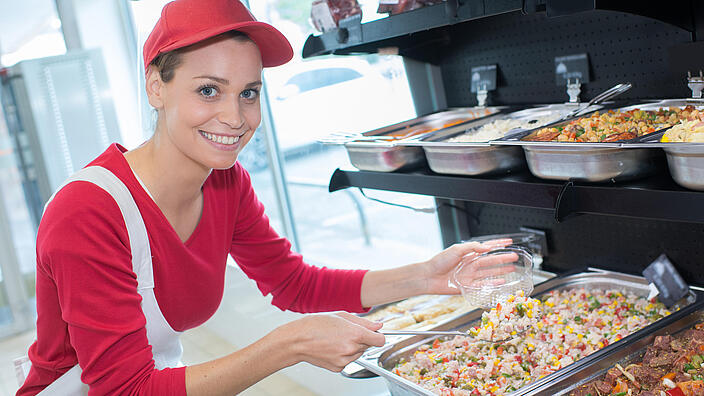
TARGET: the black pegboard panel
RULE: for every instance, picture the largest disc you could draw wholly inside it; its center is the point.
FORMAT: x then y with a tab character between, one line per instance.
621	47
609	242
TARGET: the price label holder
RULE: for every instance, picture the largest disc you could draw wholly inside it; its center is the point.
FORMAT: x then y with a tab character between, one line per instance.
665	281
483	81
572	71
350	30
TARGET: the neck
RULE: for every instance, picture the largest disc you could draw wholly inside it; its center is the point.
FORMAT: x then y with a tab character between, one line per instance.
175	182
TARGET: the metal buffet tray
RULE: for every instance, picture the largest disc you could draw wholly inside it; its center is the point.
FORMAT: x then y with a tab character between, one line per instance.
594	162
354	370
627	354
478	158
382	360
685	160
388	156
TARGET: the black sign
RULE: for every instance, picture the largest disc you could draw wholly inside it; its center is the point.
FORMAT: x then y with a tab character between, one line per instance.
484	77
670	284
571	67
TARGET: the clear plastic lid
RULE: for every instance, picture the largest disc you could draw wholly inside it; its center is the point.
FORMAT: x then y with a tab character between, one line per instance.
489	278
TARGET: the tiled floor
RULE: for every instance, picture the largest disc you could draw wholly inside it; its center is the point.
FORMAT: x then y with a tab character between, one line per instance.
199	345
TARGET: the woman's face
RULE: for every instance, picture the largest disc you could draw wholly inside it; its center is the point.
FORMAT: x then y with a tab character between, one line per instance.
210	109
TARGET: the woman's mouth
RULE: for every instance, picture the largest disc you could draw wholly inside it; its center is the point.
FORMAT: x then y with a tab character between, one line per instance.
226	140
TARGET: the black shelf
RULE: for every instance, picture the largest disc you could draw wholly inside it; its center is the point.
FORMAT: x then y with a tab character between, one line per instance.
656	197
422	33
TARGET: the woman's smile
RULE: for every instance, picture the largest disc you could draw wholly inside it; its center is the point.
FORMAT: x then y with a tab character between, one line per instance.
220	141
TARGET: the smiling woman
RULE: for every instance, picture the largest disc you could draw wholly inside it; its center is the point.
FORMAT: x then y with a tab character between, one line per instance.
132	250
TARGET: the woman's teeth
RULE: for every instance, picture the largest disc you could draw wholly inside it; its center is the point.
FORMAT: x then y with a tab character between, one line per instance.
221	139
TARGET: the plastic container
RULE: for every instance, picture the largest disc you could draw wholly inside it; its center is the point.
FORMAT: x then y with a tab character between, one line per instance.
491	277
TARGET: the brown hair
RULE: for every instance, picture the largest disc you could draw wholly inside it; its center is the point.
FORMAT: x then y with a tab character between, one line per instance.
167	62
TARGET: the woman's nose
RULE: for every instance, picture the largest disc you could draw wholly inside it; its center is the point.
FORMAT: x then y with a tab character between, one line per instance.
231	115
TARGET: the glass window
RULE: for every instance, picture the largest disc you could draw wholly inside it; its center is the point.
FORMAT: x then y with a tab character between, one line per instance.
311	98
28	30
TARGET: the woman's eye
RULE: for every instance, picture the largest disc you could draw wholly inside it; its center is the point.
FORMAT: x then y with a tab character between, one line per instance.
249	94
208	92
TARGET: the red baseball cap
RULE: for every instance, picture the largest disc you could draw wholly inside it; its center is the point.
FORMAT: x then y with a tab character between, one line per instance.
186	22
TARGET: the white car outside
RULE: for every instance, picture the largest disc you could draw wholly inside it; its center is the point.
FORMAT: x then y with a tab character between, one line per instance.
311	99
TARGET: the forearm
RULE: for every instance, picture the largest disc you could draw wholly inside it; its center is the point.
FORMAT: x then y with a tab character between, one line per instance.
238	371
381	287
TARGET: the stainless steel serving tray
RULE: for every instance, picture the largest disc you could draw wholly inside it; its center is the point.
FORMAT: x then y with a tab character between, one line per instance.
388	156
354	370
594	162
627	354
382	360
684	160
479	158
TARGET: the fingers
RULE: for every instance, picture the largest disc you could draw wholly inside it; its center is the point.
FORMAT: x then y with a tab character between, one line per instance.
490	260
368	324
469	248
369	336
498	243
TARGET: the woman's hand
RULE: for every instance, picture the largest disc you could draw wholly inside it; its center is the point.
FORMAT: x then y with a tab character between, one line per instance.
438	270
331	341
428	277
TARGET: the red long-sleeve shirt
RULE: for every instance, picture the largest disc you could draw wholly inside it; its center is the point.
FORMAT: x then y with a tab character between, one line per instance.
88	308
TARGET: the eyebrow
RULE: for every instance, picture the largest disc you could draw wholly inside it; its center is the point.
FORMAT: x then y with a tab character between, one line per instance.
225	81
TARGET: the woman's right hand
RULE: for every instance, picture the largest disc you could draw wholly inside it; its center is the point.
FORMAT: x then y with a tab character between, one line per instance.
331	341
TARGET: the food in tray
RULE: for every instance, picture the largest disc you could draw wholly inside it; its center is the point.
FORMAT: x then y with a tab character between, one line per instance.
499	128
431	126
574	324
508	318
690	130
673	366
419	312
612	126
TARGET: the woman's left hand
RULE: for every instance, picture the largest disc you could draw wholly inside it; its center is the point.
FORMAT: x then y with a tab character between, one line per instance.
438	270
428	277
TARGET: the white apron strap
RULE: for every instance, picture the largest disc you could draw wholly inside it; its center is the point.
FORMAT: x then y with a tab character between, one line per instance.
164	340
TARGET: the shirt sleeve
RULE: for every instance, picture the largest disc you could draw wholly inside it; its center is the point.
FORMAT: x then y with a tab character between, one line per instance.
267	258
88	308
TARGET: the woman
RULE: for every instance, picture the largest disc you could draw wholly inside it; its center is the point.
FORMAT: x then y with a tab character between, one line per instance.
133	251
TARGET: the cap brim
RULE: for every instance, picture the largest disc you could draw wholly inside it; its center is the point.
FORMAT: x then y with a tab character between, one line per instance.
273	45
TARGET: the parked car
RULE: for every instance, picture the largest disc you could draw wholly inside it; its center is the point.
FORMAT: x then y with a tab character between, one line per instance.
311	99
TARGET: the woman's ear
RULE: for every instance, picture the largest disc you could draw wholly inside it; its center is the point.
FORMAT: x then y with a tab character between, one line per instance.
154	86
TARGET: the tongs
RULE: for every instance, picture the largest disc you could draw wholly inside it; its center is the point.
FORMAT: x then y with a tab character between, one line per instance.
614	91
450	333
343	137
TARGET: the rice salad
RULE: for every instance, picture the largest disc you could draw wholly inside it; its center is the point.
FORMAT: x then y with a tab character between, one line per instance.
507	319
497	129
574	324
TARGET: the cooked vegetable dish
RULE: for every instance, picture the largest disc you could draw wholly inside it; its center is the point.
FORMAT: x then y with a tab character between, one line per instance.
612	126
574	324
690	130
672	366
